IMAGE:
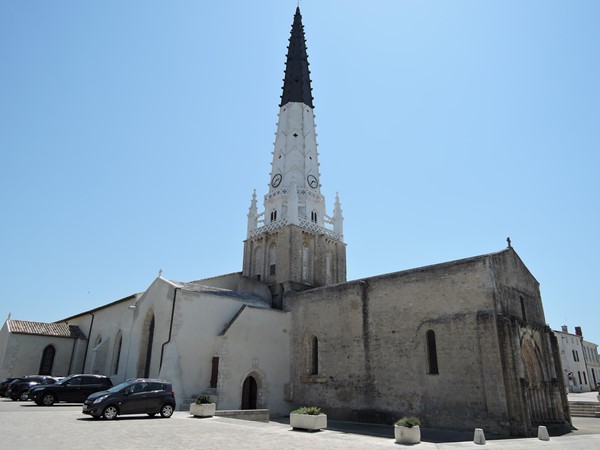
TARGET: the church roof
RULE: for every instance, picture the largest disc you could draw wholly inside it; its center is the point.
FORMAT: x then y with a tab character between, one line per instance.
296	84
248	299
45	329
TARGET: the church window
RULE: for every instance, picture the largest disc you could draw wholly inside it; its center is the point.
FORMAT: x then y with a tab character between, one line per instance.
314	356
149	349
431	353
47	360
272	259
523	308
214	374
258	262
313	216
584	378
117	353
145	347
273	215
305	264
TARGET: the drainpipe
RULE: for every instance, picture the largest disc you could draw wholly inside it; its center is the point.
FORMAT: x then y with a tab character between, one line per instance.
162	350
88	344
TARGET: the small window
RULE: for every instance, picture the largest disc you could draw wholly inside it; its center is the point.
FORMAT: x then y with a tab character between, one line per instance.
313	216
273	215
432	353
214	375
314	366
523	308
272	269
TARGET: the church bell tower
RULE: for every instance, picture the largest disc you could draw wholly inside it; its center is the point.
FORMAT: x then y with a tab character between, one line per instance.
293	244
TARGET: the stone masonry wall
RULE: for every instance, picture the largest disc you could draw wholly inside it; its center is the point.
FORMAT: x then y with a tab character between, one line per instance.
373	355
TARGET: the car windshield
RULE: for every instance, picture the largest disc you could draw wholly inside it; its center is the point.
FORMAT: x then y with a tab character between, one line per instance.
120	386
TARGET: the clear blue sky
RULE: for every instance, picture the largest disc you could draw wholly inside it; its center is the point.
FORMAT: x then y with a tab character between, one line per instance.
133	133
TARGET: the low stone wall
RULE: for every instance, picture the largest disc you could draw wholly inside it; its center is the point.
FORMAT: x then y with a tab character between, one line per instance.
256	415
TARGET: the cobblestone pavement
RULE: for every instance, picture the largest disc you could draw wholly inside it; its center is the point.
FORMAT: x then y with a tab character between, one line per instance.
27	426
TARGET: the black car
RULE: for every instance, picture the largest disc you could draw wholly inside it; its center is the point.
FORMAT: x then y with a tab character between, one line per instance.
73	389
19	389
139	396
4	385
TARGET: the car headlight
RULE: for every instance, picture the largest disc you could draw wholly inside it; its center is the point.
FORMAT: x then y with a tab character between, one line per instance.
99	399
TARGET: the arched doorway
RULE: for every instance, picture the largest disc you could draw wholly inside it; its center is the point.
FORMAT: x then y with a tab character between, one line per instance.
249	393
47	360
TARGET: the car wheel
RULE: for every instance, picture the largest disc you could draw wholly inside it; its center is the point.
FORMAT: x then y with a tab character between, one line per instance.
166	410
110	412
23	396
48	400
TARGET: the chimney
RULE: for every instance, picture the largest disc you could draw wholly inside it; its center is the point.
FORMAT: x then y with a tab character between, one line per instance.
565	329
578	331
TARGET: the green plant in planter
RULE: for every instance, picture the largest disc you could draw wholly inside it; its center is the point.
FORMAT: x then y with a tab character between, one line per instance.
203	400
408	422
310	410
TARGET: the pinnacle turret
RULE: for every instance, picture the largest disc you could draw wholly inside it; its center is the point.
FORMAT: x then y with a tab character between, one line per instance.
296	84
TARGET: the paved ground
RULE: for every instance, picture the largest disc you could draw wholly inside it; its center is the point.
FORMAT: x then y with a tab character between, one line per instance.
24	425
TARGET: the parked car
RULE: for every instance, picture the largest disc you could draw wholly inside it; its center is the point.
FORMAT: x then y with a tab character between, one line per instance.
73	389
4	385
19	389
139	396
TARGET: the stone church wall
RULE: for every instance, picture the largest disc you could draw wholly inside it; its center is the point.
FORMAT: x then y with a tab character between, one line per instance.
373	361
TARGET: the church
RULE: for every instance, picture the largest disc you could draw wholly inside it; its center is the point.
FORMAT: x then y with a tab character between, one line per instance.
460	344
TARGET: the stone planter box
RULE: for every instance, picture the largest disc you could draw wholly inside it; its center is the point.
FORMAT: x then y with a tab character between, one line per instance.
308	422
405	435
203	410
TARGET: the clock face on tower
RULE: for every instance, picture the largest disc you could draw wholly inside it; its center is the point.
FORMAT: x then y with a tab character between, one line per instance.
312	181
276	181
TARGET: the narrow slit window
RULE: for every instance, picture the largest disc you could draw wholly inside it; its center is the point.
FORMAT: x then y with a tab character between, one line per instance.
314	366
432	353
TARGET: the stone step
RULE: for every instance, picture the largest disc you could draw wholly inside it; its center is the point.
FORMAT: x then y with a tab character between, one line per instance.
584	409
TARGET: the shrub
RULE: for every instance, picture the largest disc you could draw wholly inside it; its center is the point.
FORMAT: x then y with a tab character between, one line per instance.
310	410
203	400
408	422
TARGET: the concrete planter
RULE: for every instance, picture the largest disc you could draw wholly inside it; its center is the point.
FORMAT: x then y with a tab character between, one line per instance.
308	422
405	435
203	410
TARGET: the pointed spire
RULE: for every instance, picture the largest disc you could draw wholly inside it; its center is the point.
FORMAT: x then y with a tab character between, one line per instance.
296	84
338	218
252	214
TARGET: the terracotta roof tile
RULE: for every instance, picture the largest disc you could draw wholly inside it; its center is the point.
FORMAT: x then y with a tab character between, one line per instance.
45	329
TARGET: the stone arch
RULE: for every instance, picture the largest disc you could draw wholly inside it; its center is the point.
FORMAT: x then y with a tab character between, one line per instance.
253	391
531	357
540	394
